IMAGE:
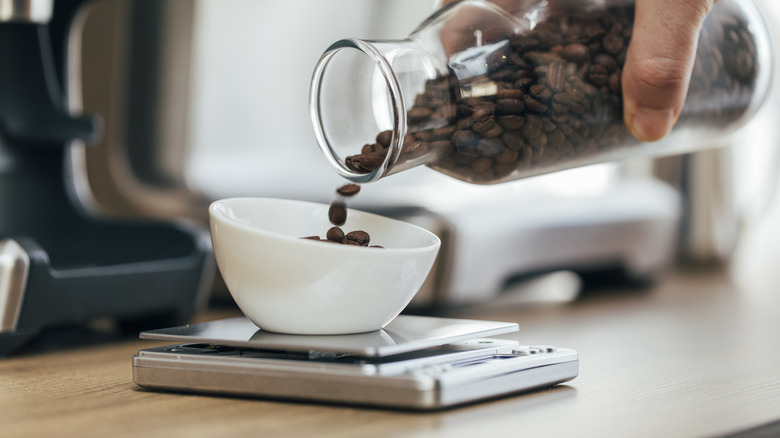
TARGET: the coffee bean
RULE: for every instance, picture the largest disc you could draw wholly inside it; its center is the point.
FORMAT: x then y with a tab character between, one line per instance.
509	94
513	140
335	234
614	81
511	121
575	52
533	104
424	135
443	133
532	127
507	156
419	114
337	213
465	140
510	106
598	75
605	61
351	189
360	237
482	164
613	42
384	138
556	76
540	93
575	91
416	150
483	123
490	147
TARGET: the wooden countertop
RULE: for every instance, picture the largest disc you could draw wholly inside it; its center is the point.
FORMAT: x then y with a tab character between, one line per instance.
695	355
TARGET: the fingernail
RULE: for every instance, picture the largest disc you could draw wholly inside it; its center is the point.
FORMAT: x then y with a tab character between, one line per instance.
651	124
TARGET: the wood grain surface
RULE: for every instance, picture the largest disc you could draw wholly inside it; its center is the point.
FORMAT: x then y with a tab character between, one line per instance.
694	355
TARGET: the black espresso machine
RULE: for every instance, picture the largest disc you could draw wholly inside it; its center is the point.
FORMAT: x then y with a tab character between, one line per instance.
60	264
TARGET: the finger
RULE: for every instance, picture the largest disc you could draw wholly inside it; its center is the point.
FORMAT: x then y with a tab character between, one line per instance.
659	63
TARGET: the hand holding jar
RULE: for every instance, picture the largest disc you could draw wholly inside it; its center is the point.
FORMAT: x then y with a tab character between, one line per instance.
494	91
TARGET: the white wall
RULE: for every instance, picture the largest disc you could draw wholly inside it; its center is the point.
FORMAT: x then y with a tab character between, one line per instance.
253	59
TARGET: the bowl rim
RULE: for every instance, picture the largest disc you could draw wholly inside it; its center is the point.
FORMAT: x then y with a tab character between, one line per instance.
215	214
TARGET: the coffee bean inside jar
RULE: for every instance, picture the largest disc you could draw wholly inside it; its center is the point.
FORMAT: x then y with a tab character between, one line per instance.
550	98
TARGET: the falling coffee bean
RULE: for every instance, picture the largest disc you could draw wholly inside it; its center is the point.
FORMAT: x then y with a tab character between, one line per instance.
348	190
337	213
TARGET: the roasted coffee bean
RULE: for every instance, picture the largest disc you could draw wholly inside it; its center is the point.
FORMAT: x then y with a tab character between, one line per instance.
574	90
614	81
372	162
360	237
509	94
506	156
510	106
533	104
511	121
419	114
556	76
465	140
483	123
513	140
598	75
337	213
384	138
613	42
335	234
481	164
444	132
348	189
605	61
416	149
495	131
490	147
575	52
532	127
424	135
540	93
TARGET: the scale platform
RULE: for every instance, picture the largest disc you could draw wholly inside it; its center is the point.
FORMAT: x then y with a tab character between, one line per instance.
415	362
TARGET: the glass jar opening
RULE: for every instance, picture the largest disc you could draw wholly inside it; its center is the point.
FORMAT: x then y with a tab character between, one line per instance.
355	95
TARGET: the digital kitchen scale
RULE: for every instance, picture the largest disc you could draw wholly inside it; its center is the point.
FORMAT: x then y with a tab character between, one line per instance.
415	362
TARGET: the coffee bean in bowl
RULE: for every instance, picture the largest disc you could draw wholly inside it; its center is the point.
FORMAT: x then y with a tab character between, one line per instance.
288	284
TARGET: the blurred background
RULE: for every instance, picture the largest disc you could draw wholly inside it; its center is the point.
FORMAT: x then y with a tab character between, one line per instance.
206	99
203	99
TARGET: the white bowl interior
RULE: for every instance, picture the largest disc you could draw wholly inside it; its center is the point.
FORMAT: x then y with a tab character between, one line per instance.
288	284
297	219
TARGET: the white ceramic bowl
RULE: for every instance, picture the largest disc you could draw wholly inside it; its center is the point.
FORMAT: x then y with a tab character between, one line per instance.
287	284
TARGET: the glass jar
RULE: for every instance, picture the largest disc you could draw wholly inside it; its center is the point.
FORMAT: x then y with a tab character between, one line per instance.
488	96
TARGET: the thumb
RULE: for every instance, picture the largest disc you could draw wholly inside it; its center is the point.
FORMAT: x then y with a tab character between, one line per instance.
659	63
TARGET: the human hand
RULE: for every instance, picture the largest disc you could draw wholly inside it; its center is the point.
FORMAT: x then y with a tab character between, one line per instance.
658	64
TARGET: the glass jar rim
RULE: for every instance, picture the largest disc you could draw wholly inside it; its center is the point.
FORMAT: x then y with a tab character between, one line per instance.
398	112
